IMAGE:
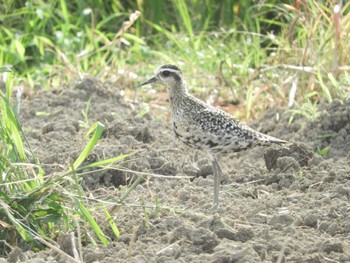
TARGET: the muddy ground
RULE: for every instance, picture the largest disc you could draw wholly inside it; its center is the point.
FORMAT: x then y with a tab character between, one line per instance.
298	211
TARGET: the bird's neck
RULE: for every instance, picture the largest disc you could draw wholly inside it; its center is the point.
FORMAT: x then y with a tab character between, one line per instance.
177	93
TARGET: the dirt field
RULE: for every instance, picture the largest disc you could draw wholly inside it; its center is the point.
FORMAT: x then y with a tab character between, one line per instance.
299	211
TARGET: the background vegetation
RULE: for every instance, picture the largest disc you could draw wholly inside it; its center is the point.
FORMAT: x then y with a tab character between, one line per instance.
289	53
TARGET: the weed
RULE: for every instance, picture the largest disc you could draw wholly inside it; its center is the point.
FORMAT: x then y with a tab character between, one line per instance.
307	110
34	206
85	122
323	151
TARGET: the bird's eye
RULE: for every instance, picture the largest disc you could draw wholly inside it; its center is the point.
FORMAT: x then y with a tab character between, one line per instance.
166	73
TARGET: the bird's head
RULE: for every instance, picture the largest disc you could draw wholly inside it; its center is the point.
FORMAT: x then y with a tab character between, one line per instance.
168	75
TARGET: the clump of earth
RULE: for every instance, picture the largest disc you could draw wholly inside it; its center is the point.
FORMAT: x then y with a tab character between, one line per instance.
277	204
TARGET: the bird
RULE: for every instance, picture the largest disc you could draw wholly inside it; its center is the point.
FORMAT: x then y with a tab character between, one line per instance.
204	127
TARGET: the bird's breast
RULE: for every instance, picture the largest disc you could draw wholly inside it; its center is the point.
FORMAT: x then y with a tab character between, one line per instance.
186	134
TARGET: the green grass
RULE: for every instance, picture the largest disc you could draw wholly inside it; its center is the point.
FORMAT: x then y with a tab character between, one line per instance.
259	55
51	43
36	206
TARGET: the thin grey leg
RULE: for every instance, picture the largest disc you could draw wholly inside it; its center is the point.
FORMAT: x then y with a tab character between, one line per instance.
217	178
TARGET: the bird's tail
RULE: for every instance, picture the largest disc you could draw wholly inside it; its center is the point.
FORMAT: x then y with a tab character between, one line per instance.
268	140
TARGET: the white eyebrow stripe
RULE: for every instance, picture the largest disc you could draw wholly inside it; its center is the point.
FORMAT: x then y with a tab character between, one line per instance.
169	69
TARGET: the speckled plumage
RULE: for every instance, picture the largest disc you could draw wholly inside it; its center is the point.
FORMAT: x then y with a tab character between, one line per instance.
204	127
210	129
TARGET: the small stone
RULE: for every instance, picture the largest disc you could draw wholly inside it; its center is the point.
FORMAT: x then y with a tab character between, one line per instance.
311	220
225	233
329	247
204	238
244	234
281	219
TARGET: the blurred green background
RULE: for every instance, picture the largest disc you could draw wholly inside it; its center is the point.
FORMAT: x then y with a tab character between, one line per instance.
48	43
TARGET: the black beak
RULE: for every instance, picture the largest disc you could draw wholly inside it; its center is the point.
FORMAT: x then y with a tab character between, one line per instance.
152	80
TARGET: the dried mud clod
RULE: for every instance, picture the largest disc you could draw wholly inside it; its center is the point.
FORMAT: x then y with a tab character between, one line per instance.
293	156
122	129
335	116
331	129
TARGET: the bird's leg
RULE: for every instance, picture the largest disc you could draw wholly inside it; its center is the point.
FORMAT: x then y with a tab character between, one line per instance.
217	179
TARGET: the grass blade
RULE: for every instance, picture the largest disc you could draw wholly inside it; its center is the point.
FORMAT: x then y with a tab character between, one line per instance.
98	128
185	17
325	89
109	161
112	223
87	215
10	125
16	223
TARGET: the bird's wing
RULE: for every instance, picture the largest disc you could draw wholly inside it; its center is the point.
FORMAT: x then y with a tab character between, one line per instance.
219	123
224	133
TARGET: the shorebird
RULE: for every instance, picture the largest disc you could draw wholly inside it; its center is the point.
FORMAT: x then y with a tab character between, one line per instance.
205	127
